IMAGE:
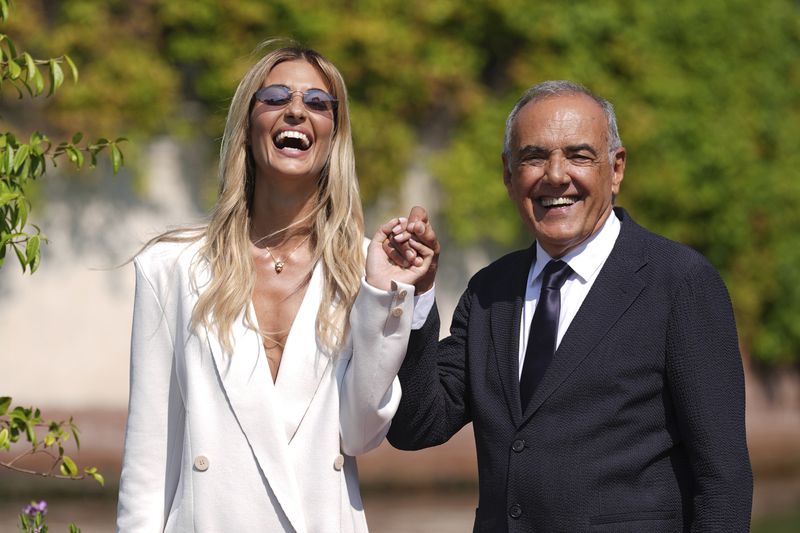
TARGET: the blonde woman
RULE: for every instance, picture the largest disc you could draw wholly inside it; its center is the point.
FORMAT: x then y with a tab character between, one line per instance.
265	346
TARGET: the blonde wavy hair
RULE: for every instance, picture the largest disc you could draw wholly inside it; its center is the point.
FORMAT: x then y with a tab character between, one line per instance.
337	221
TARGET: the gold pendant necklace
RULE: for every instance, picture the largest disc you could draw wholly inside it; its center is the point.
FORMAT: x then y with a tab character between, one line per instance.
280	263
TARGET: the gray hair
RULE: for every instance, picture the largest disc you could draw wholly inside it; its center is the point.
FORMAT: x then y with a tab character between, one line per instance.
550	88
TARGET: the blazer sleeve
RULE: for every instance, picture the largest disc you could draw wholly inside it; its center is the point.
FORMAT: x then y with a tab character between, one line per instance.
434	381
380	322
154	416
706	380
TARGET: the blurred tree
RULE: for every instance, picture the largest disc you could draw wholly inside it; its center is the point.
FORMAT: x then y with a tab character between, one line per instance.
706	92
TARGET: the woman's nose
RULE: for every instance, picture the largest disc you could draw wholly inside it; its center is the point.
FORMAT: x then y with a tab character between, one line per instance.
296	107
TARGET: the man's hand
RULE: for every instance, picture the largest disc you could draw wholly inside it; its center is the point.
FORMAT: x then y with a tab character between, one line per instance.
410	247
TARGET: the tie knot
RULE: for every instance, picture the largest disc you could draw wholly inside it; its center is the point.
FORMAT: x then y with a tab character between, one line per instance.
554	275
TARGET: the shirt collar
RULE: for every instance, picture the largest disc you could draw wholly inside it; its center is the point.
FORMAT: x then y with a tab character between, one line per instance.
586	258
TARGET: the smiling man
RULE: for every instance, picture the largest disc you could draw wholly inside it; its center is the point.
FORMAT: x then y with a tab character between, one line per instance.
600	367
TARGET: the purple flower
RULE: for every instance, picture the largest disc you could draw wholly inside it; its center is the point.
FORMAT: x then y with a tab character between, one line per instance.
34	508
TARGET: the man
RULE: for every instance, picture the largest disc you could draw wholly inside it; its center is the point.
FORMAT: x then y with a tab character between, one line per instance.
609	399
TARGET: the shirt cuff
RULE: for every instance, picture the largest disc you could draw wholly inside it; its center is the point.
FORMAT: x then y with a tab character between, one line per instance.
423	303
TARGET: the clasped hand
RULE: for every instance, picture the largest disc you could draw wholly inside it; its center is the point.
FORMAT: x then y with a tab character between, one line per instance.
404	249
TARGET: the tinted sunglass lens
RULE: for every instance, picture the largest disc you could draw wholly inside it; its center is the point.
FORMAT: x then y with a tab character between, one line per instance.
318	100
274	95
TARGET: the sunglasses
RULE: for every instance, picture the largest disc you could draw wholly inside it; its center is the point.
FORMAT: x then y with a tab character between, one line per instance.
280	95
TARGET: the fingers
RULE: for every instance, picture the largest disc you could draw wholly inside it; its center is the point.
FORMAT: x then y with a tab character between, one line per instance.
408	241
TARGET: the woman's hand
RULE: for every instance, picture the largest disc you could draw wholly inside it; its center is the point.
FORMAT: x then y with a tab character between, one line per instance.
404	249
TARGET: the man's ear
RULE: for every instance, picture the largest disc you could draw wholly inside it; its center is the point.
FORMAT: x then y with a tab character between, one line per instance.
618	168
507	171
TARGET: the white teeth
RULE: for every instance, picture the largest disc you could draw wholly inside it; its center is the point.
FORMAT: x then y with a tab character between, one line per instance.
550	202
292	134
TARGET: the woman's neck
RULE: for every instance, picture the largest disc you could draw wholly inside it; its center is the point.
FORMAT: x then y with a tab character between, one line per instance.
276	208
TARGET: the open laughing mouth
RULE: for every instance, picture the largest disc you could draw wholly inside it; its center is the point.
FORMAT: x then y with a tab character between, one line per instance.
292	140
551	202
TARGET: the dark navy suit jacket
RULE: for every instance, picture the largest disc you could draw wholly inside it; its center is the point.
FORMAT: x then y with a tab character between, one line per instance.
636	426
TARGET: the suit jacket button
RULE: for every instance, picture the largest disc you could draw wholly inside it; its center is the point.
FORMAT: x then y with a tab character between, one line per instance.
397	312
338	463
402	293
515	511
518	445
201	463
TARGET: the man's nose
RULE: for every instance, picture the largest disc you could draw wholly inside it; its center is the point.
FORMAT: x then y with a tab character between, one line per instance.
556	169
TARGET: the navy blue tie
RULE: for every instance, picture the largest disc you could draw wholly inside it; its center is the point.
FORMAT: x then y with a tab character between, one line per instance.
544	329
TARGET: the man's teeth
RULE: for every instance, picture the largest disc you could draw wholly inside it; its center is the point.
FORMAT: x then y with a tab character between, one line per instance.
292	134
551	202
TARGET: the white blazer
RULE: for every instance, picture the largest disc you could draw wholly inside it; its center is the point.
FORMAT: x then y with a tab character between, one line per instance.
213	445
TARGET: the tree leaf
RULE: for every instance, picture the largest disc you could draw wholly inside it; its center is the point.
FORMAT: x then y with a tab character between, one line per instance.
4	442
32	249
56	76
12	50
75	433
30	64
22	210
20	256
38	82
14	69
71	467
116	158
21	156
72	68
76	138
5	403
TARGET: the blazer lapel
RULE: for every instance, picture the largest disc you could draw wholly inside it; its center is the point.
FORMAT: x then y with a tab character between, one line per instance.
505	318
613	292
303	365
247	382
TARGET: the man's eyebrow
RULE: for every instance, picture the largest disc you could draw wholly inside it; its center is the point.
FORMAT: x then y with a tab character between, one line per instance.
574	148
533	149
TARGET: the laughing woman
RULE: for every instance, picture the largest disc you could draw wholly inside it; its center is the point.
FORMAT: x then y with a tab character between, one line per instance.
265	346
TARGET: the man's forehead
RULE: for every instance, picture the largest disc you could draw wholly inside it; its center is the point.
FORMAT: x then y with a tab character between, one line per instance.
561	118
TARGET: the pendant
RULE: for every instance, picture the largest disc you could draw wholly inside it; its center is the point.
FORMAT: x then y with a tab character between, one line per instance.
278	266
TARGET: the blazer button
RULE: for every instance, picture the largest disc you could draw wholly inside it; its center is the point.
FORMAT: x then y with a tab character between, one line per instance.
201	463
518	445
515	511
397	312
338	463
402	293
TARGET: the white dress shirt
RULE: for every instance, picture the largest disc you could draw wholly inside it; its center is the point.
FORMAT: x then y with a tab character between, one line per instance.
586	260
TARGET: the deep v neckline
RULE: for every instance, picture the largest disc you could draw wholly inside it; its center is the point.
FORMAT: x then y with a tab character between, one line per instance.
303	364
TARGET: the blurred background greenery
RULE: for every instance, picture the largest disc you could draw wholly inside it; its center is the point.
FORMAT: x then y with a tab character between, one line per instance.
707	95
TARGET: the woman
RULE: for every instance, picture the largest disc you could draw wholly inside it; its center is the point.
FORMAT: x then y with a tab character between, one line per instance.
261	361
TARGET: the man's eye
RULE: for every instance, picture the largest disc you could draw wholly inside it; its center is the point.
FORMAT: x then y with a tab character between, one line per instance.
580	159
536	160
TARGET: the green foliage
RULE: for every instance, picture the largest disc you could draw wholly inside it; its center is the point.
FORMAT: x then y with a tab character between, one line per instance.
707	94
708	101
21	163
44	438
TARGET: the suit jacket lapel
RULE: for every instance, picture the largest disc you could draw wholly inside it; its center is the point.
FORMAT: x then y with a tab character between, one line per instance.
303	365
247	382
612	293
505	323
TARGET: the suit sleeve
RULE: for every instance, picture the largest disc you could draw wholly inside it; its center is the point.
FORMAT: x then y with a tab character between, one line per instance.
153	411
434	381
706	380
380	322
